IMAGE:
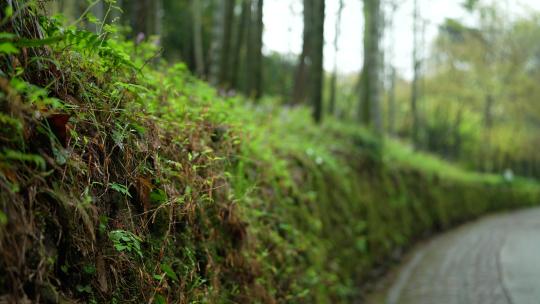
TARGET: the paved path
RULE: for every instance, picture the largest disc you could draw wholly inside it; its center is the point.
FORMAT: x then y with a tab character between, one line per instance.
495	260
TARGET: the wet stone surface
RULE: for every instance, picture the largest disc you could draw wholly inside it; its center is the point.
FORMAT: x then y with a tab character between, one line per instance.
490	261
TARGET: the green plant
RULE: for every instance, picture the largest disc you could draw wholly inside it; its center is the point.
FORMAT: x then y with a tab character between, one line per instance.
235	202
120	189
126	241
13	155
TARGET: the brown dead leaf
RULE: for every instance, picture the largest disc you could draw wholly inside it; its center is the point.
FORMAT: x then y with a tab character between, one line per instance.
144	187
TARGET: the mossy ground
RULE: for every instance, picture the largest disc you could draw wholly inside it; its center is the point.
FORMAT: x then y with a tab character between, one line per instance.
126	179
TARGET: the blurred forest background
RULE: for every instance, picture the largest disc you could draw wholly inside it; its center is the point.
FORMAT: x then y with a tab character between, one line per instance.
472	97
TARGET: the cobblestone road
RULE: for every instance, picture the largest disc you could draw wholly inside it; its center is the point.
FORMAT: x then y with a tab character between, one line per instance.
495	260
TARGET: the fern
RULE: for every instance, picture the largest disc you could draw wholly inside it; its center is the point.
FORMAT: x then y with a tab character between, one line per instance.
8	120
79	39
23	157
94	44
120	189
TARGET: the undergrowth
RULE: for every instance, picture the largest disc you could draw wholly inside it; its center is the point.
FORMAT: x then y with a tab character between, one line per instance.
126	179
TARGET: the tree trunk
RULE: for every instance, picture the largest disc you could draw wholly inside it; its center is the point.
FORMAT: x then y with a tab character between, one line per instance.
333	81
228	20
256	43
488	116
221	42
392	103
241	34
144	16
488	124
217	42
370	95
300	82
317	72
198	37
391	106
415	83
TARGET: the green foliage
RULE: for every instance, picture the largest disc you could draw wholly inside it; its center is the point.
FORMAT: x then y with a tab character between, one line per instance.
479	101
120	189
8	120
126	241
3	219
12	155
159	299
8	48
220	200
169	272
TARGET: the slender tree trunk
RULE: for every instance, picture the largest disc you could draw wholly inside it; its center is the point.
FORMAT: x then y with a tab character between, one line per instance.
376	111
392	102
71	10
317	73
144	16
198	37
241	34
488	116
457	134
221	42
259	43
255	80
55	7
488	124
159	14
391	106
217	42
299	89
370	95
333	81
228	20
304	65
415	83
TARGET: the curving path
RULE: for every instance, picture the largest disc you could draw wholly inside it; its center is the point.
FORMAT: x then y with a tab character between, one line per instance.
495	260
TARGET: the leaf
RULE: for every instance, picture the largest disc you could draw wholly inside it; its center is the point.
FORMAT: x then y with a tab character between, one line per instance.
64	268
7	36
23	157
8	120
85	288
3	219
158	196
361	244
169	272
361	226
23	42
187	191
126	241
8	48
120	247
92	19
159	299
120	188
8	12
89	269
